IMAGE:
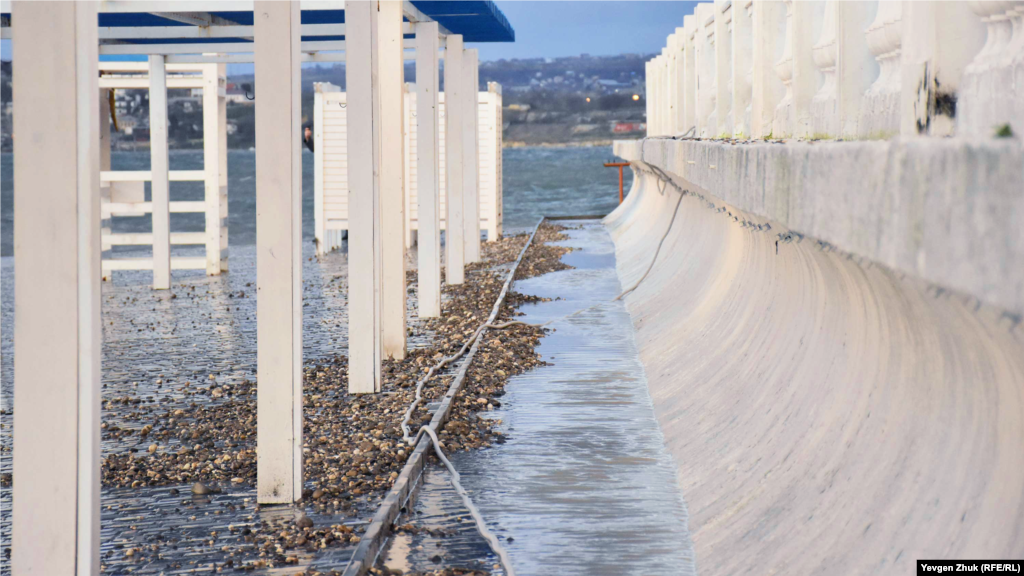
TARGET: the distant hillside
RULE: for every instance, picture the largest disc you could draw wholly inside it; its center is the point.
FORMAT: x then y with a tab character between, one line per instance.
552	100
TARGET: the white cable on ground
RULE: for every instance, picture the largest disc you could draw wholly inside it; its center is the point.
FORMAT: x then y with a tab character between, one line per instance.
481	526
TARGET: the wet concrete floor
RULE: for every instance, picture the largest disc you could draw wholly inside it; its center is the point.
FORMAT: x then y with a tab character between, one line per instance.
201	331
583	485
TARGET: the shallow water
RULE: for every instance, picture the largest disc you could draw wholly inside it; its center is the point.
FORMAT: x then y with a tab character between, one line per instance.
584	484
206	325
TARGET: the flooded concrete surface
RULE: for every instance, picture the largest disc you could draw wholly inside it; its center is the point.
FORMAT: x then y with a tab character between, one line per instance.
583	485
201	331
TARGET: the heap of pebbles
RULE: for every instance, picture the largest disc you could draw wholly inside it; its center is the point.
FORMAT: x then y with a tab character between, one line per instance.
352	443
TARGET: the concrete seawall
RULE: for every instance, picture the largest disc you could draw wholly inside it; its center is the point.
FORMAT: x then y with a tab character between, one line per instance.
844	399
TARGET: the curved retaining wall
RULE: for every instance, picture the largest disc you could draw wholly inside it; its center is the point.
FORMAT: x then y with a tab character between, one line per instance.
826	414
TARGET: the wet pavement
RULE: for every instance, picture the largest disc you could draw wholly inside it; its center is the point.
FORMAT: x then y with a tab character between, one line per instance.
159	347
583	485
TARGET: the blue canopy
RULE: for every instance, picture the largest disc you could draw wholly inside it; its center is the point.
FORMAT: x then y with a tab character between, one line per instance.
475	20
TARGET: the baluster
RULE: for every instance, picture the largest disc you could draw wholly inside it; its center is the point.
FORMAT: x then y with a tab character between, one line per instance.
824	115
742	68
988	95
784	68
704	70
723	66
711	130
767	90
880	108
689	73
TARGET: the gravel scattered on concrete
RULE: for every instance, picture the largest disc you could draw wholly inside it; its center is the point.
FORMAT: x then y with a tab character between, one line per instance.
352	443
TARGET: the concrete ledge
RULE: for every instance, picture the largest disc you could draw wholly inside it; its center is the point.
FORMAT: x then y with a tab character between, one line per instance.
948	211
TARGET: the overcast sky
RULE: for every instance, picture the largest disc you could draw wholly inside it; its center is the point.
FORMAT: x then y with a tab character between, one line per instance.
548	29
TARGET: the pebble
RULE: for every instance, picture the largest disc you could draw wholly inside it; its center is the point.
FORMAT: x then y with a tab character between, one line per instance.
304	522
353	449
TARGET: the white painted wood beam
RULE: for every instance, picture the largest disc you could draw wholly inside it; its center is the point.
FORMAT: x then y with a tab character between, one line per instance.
278	254
159	170
455	248
414	15
229	30
152	6
428	171
471	153
199	19
392	177
56	501
221	48
364	240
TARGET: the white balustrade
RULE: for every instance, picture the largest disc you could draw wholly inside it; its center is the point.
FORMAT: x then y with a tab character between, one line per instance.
990	94
863	69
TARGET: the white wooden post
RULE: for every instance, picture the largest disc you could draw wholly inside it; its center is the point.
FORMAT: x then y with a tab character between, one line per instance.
278	253
428	194
767	88
723	67
364	242
104	154
56	497
939	40
880	109
471	154
455	114
496	211
392	177
319	216
160	167
222	158
214	145
742	57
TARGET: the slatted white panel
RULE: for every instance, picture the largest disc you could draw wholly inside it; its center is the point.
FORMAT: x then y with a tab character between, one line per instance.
335	164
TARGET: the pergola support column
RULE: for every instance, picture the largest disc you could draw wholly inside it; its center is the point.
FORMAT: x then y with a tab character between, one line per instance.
455	113
471	153
392	177
160	167
215	159
56	499
278	253
428	170
364	161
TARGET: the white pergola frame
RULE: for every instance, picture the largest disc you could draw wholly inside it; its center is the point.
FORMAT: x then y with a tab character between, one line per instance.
60	215
122	191
330	200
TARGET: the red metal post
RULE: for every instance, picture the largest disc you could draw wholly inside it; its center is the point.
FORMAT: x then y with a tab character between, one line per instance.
620	166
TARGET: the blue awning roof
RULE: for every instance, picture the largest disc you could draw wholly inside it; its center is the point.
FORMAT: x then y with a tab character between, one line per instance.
475	20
